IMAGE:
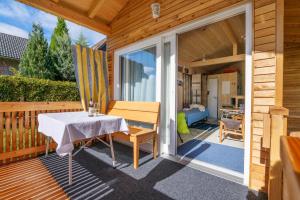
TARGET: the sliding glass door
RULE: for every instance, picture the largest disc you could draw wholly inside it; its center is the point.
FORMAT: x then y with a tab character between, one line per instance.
146	72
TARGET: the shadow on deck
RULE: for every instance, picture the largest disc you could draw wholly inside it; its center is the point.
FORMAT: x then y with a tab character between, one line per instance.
94	178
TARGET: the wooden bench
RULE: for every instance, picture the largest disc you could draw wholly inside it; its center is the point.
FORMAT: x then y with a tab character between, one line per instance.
141	112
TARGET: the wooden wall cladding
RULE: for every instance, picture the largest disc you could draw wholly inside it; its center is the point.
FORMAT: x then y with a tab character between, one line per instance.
264	87
135	22
291	71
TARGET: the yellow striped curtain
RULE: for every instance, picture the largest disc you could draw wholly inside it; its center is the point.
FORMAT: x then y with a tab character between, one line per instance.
91	76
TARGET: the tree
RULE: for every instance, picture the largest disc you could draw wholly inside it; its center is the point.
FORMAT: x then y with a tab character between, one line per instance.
33	62
82	40
63	58
60	29
60	52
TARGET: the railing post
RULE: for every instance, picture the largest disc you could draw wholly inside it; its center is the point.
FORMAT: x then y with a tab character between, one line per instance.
278	129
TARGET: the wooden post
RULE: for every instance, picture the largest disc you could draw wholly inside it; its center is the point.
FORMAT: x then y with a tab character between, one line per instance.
278	129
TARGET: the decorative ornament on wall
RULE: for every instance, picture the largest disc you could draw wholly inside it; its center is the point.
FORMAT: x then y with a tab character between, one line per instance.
155	10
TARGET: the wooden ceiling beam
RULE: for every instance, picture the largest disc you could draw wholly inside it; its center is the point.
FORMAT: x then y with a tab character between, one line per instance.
230	35
217	61
69	14
96	5
228	31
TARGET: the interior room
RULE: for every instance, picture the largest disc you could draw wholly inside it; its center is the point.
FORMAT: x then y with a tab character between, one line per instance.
210	94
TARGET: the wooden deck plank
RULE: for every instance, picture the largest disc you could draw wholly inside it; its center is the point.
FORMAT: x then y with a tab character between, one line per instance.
28	179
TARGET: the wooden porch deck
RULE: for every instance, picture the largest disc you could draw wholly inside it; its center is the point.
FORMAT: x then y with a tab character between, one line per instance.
94	178
29	179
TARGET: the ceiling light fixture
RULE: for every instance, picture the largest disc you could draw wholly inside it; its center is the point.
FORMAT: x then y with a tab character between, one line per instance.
155	10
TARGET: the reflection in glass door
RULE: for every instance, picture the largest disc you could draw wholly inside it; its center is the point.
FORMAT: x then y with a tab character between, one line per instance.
138	75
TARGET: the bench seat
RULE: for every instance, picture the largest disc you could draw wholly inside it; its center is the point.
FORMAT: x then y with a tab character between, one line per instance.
142	112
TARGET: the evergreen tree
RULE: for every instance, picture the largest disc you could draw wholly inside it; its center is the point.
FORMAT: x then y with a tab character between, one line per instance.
60	29
82	40
60	52
63	58
34	60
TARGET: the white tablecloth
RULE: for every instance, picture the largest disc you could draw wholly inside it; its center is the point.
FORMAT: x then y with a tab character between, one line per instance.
67	127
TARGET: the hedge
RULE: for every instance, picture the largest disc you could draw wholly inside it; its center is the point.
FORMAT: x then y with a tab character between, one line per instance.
16	88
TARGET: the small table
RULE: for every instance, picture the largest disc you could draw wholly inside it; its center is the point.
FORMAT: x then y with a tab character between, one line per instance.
67	127
228	112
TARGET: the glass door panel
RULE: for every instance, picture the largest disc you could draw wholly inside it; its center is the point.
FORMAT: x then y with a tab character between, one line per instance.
138	75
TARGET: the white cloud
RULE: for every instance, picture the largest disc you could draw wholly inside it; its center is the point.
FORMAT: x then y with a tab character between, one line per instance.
26	15
13	30
15	10
149	70
92	36
47	20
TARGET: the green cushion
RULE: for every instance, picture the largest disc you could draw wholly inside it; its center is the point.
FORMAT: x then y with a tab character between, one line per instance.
182	127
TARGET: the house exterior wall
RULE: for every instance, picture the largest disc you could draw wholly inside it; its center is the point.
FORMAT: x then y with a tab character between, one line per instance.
264	87
291	71
135	22
6	64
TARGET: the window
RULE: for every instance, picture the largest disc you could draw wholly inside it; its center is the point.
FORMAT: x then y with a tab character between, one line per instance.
138	75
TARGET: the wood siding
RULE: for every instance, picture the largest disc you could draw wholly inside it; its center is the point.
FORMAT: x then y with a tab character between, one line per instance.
135	22
291	83
264	87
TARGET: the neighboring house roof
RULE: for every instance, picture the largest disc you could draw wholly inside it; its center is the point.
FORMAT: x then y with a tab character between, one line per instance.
12	46
101	45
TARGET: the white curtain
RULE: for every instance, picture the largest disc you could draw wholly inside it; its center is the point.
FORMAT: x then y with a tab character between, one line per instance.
138	75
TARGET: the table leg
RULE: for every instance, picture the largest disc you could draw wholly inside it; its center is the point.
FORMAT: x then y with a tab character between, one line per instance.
47	145
70	168
112	150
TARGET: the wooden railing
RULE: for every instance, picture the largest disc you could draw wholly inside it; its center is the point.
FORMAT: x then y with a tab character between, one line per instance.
19	138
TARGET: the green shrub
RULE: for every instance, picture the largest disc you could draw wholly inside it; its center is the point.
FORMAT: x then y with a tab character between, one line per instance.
16	88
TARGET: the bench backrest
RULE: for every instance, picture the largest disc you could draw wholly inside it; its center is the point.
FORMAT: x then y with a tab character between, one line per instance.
146	112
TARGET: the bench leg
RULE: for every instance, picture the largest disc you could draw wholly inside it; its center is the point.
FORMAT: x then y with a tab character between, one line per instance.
154	146
136	153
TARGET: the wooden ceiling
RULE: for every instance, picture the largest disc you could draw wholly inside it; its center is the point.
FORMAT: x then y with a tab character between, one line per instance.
94	14
221	41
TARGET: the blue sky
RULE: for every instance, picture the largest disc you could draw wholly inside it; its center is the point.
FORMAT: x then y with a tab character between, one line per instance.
17	18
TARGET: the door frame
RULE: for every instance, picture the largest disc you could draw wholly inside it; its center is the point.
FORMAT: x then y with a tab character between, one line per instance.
171	35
